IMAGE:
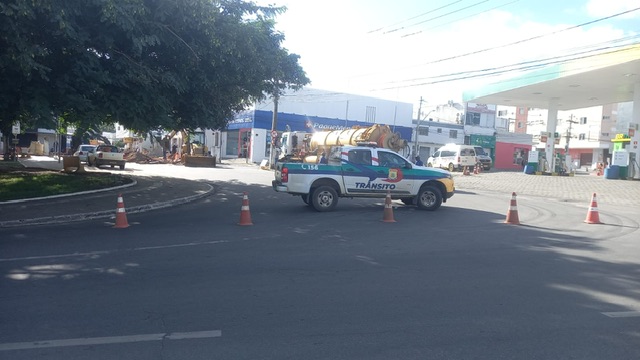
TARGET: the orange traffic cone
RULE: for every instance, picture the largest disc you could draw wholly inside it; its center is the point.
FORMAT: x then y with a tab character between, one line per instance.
121	215
475	170
512	215
592	215
388	209
465	171
245	214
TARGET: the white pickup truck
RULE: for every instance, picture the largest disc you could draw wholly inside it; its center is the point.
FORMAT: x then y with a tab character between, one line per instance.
107	155
364	171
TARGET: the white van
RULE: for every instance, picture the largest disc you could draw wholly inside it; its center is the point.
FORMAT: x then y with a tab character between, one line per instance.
453	157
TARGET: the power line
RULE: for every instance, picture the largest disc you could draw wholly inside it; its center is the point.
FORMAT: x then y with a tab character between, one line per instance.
440	16
494	73
508	44
415	17
529	39
541	62
462	18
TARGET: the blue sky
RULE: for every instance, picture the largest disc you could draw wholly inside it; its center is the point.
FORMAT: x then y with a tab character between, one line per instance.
406	49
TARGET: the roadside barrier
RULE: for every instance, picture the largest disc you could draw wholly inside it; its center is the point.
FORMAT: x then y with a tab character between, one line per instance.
592	215
512	214
388	209
245	213
72	164
121	215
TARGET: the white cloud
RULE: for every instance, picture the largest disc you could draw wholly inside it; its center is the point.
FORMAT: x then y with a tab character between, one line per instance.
602	8
340	54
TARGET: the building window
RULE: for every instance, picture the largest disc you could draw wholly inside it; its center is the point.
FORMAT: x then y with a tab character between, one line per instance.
582	136
439	131
519	156
605	134
453	134
583	120
370	115
473	118
502	113
519	124
521	111
606	117
424	131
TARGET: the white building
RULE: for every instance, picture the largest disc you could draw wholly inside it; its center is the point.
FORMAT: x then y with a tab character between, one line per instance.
249	134
587	131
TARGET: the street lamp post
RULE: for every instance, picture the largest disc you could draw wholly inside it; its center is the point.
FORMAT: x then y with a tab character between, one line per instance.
417	128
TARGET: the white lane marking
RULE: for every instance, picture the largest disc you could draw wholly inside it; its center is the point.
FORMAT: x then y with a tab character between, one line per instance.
366	259
110	340
106	252
620	314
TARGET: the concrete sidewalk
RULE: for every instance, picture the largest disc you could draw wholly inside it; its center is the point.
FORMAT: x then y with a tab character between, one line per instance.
144	194
578	188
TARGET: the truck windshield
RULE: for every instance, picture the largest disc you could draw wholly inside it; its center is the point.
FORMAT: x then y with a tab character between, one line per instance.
480	151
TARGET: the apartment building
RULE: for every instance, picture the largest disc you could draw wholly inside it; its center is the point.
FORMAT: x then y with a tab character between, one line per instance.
585	134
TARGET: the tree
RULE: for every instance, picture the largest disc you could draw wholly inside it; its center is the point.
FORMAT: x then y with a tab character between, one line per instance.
146	64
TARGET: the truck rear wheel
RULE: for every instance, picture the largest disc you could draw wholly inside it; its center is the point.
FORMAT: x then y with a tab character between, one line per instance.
429	198
324	198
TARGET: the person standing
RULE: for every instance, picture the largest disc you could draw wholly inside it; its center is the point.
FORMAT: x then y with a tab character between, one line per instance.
323	158
418	161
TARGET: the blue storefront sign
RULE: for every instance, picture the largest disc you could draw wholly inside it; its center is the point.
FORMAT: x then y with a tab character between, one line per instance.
261	119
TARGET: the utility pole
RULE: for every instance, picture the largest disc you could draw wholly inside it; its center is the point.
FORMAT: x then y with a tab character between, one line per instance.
566	146
416	146
274	128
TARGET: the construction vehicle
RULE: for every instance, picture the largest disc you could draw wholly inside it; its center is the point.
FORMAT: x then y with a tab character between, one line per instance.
298	146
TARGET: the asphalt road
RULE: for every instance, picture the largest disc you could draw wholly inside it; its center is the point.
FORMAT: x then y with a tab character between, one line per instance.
458	283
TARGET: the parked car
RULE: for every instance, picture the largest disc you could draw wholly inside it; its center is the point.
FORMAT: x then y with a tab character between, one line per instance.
453	157
483	158
107	155
84	151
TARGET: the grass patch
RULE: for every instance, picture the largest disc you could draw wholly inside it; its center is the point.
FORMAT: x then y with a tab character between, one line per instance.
10	165
23	183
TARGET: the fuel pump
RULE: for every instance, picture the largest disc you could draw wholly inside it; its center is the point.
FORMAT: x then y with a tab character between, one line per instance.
560	167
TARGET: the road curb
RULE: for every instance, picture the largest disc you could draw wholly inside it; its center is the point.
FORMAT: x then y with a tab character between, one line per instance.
17	201
59	219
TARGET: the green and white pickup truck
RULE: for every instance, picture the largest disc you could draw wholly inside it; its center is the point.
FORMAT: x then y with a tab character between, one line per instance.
363	171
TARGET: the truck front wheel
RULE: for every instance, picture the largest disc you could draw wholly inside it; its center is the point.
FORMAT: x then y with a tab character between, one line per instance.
324	198
408	201
429	198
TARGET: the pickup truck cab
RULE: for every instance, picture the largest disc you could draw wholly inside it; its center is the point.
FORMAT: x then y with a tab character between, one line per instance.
364	171
107	155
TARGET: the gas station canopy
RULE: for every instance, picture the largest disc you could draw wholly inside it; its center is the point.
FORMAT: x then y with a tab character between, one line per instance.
601	79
